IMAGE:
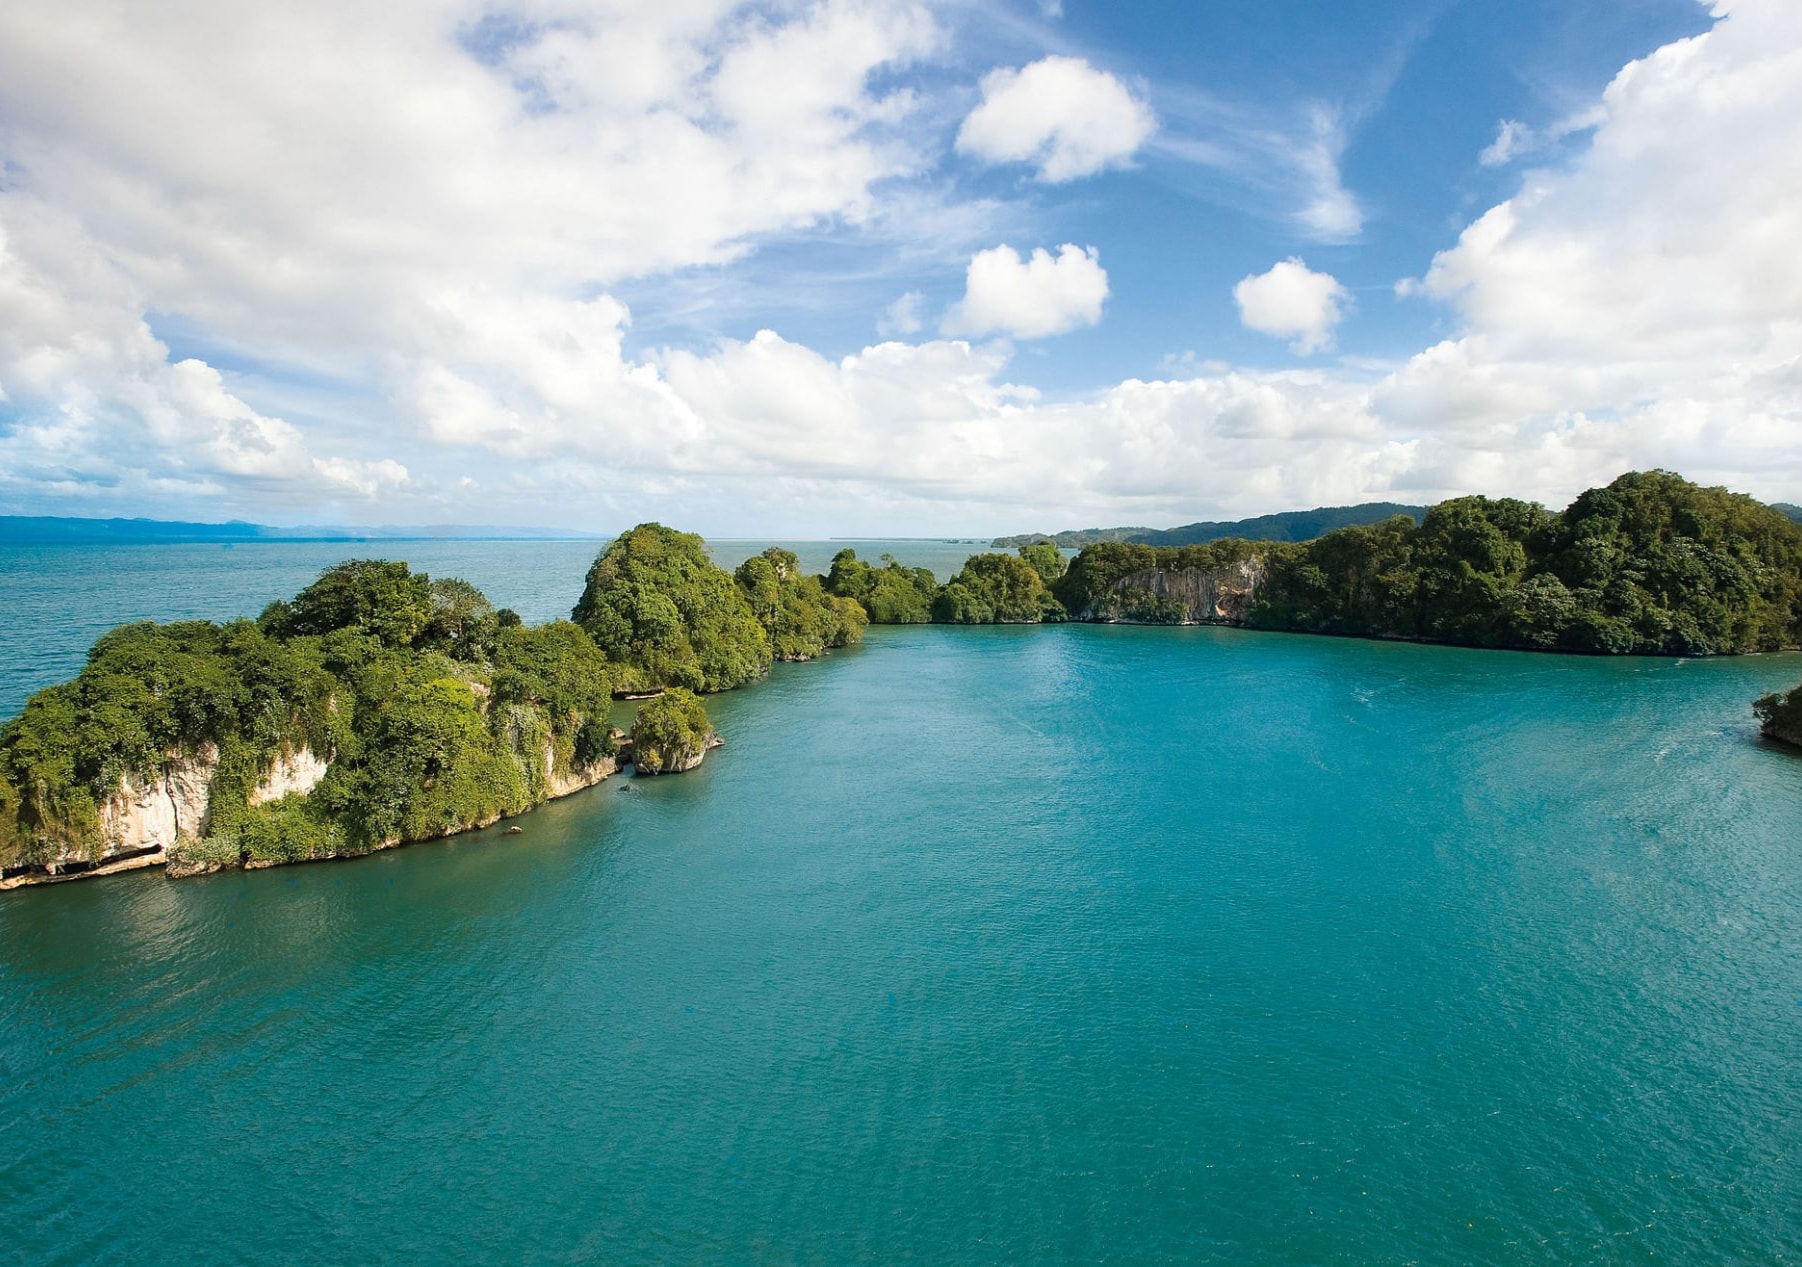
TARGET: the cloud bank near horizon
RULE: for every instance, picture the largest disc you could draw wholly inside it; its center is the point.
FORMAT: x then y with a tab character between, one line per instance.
330	264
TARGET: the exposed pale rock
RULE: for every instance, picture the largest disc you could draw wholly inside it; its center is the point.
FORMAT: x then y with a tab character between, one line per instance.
154	811
1208	596
296	770
680	762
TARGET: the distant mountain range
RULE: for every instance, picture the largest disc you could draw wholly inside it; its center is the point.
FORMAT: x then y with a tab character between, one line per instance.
1291	525
1788	508
57	530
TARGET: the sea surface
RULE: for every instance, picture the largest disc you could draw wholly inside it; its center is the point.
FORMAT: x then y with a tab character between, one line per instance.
1006	945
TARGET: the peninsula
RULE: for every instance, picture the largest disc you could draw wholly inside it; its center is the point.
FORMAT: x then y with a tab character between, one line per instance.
379	706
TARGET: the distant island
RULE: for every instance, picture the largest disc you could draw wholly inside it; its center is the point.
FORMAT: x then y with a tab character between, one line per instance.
1291	525
380	706
59	530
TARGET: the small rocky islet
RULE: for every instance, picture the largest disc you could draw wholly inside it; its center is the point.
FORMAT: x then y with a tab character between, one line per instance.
380	706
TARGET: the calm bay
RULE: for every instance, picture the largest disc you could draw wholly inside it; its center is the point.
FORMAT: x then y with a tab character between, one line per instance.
1064	944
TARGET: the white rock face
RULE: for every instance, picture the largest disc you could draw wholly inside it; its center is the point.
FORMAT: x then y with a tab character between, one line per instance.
151	813
556	785
295	770
1208	597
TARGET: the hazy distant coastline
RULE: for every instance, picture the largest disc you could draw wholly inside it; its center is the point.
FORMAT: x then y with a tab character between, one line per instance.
61	530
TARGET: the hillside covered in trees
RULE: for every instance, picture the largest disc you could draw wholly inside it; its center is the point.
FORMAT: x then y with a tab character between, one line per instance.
1290	525
378	706
1649	564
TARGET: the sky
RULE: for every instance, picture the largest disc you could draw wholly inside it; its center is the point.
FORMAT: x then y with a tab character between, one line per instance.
815	268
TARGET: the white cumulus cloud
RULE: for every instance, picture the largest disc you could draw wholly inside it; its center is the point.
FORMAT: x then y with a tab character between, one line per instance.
1291	301
1030	298
1059	113
438	232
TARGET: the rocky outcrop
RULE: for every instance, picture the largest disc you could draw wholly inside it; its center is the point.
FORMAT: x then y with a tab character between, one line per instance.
296	770
678	761
575	779
154	811
141	822
1183	596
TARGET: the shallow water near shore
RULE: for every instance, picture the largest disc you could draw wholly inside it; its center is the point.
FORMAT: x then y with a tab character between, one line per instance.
1074	944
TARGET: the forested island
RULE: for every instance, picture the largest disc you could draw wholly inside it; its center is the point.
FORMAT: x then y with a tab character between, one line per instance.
380	706
1289	525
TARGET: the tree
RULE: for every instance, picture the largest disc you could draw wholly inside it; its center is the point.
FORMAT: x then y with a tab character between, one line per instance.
656	604
1046	559
377	597
889	595
995	589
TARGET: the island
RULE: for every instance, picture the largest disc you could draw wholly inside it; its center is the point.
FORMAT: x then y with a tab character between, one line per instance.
380	706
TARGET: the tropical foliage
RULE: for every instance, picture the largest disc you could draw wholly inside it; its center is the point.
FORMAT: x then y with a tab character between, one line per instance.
1780	715
435	712
800	617
890	594
996	589
657	605
1649	564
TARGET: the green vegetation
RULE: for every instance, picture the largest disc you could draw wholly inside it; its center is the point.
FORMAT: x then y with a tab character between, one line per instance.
1074	539
435	712
657	605
1091	587
890	594
670	733
996	589
1291	525
801	619
1649	564
1045	559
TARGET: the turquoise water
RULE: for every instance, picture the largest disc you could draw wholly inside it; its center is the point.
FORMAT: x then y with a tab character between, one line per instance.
1053	945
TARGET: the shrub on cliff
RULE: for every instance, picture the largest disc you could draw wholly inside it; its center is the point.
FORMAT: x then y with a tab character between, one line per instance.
657	605
1091	576
670	733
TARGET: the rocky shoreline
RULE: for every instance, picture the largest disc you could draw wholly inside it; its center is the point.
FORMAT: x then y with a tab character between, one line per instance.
145	817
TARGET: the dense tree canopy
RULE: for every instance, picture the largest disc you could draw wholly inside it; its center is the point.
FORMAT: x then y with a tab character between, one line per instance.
890	594
1650	564
656	604
433	710
801	618
670	732
996	589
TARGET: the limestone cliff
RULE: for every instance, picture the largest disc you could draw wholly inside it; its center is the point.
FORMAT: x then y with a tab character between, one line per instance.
1184	596
676	760
296	770
576	778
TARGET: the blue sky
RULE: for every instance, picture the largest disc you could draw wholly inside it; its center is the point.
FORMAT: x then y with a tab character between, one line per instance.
866	266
